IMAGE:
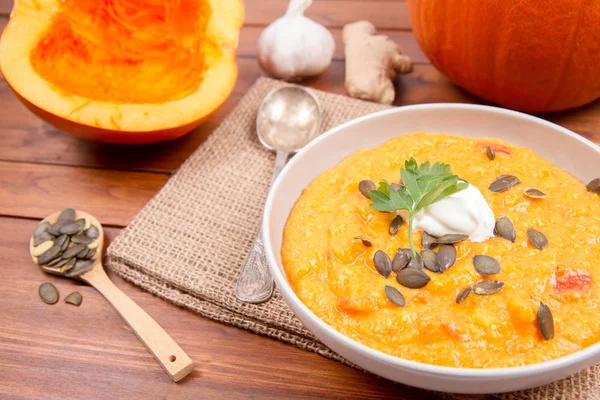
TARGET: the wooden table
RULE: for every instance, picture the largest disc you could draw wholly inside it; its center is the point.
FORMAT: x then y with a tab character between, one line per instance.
64	352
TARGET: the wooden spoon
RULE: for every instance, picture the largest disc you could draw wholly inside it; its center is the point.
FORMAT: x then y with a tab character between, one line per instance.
170	356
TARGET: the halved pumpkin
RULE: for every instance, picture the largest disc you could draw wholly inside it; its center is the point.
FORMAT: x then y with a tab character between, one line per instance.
122	71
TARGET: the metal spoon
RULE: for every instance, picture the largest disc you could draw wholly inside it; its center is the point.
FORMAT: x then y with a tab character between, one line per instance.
288	119
167	352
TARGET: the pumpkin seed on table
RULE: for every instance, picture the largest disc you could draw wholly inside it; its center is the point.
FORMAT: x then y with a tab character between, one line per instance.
364	241
400	261
486	265
594	186
505	229
48	293
365	187
427	241
412	278
503	183
395	225
430	260
537	238
382	263
451	238
490	153
446	256
487	287
535	193
545	321
463	294
74	298
394	296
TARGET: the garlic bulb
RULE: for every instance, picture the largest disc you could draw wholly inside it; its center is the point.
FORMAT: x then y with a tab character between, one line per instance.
295	47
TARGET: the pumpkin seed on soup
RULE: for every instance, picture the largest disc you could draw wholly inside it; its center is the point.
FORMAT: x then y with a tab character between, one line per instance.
505	229
400	261
535	193
395	225
427	241
365	187
486	265
463	294
594	186
446	256
396	186
412	278
451	238
74	298
490	152
487	287
364	241
430	260
545	321
382	263
416	262
537	238
504	182
394	296
48	293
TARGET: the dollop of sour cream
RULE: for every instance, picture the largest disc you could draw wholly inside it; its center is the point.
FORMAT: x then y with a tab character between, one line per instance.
465	212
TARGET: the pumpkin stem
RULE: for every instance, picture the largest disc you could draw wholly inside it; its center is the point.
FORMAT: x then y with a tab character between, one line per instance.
297	7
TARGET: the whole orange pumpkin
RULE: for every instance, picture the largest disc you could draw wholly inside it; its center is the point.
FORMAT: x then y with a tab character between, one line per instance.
530	55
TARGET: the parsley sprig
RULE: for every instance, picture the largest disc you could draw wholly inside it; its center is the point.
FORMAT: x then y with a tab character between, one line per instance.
423	185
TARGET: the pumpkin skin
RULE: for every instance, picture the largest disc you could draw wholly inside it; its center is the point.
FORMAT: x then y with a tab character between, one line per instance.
116	120
530	55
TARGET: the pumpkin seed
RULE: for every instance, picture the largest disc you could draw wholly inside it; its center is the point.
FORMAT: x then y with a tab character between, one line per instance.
545	321
490	152
400	261
92	232
416	262
364	241
54	229
487	287
93	245
504	182
408	252
446	256
365	187
73	228
70	264
463	294
82	253
430	260
67	215
41	228
65	244
505	229
486	265
535	193
451	238
395	225
394	295
41	238
80	267
81	239
382	263
49	255
594	186
73	251
41	248
58	262
74	298
90	254
396	186
60	241
537	238
412	278
48	293
427	241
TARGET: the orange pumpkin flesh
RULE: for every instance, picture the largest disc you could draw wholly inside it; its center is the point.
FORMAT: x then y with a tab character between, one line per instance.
123	71
530	55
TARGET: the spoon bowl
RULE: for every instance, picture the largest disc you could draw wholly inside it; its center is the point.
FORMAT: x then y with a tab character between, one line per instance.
167	352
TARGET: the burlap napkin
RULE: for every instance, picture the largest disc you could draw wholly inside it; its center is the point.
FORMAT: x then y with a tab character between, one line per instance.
188	243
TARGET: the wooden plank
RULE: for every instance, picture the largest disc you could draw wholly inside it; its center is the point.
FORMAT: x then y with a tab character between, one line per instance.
88	352
384	14
37	190
6	7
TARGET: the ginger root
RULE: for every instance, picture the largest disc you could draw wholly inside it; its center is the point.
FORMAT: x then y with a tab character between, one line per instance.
372	63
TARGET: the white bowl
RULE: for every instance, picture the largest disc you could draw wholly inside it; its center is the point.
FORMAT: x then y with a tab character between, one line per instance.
559	145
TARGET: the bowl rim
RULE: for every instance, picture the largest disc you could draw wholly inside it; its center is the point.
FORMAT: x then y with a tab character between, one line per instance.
283	284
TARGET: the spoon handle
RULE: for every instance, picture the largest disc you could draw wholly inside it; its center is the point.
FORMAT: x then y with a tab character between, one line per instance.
167	352
255	284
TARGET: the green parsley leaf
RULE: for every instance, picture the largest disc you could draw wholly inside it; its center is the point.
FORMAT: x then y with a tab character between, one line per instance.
424	185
